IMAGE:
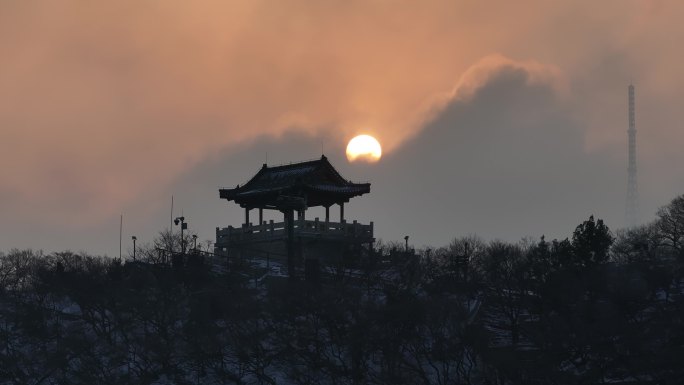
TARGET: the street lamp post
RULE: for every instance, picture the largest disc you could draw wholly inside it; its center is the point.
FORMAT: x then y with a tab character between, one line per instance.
134	238
183	226
406	239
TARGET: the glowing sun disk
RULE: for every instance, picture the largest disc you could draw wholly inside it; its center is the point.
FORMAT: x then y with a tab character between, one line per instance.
364	147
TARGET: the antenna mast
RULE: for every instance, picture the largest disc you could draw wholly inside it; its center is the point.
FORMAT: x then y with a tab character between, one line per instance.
632	191
120	233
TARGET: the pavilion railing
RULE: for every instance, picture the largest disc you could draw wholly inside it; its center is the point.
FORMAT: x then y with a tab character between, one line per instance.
302	228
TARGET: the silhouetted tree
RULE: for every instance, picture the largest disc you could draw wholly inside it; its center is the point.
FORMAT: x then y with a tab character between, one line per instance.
638	244
163	245
507	274
591	242
549	312
670	225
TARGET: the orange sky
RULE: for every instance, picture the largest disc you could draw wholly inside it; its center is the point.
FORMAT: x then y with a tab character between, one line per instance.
105	104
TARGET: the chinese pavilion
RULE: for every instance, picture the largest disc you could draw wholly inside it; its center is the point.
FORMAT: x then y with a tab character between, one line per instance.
291	189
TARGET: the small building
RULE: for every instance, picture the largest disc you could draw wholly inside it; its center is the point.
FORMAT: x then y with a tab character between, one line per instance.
291	189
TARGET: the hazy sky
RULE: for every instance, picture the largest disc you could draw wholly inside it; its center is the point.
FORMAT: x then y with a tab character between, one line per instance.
500	118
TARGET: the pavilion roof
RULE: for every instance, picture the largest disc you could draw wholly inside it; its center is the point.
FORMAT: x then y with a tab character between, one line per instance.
316	182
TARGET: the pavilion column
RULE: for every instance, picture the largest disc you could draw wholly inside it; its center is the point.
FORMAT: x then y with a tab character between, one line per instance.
327	214
289	225
261	216
341	212
246	216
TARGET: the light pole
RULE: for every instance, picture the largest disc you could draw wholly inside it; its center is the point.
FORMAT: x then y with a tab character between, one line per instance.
183	226
134	238
406	239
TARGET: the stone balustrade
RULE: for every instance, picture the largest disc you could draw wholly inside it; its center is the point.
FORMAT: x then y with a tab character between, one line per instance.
271	231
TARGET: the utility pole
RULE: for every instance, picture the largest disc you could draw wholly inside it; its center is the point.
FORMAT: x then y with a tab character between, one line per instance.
632	205
183	226
134	238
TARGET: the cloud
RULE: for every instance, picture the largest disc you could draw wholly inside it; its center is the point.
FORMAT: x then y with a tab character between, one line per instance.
507	161
104	105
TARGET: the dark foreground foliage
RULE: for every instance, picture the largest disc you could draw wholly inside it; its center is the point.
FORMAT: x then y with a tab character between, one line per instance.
594	308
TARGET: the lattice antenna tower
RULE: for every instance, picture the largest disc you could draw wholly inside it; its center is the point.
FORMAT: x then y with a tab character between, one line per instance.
632	207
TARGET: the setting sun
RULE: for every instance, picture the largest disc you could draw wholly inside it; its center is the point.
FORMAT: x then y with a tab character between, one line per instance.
364	147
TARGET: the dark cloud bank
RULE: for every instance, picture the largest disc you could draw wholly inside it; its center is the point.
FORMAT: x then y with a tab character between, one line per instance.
509	162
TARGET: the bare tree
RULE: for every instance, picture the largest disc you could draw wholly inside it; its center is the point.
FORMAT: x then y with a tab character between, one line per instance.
670	226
